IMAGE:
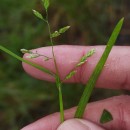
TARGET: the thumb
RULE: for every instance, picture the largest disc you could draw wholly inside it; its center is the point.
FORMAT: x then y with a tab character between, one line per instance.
79	124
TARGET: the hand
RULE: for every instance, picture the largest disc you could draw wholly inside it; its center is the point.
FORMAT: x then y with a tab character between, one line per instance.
115	75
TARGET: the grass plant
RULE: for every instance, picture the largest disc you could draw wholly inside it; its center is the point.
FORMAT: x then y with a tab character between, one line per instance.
106	116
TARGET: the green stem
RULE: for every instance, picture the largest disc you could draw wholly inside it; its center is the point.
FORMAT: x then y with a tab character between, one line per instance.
58	81
61	104
49	29
57	72
41	55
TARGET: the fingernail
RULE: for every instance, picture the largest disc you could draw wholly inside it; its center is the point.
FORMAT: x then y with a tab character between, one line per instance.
78	124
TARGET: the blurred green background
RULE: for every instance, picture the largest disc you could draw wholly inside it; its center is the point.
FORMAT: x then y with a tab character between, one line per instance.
24	99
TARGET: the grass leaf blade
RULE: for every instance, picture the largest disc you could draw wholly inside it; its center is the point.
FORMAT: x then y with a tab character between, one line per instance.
26	61
93	78
106	117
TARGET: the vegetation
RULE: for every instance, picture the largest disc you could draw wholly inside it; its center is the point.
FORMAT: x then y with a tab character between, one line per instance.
16	87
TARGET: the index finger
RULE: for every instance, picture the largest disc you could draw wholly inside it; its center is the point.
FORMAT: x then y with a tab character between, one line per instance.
116	72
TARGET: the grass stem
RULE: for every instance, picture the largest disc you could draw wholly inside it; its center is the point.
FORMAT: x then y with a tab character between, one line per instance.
58	81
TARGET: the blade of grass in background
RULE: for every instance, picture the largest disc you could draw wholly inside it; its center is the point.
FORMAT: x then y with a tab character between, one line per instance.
26	61
105	117
92	81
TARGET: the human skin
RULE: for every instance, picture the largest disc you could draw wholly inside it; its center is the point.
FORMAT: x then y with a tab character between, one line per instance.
115	75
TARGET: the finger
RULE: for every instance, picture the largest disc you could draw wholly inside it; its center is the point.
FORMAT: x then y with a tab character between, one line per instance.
79	124
118	106
116	72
